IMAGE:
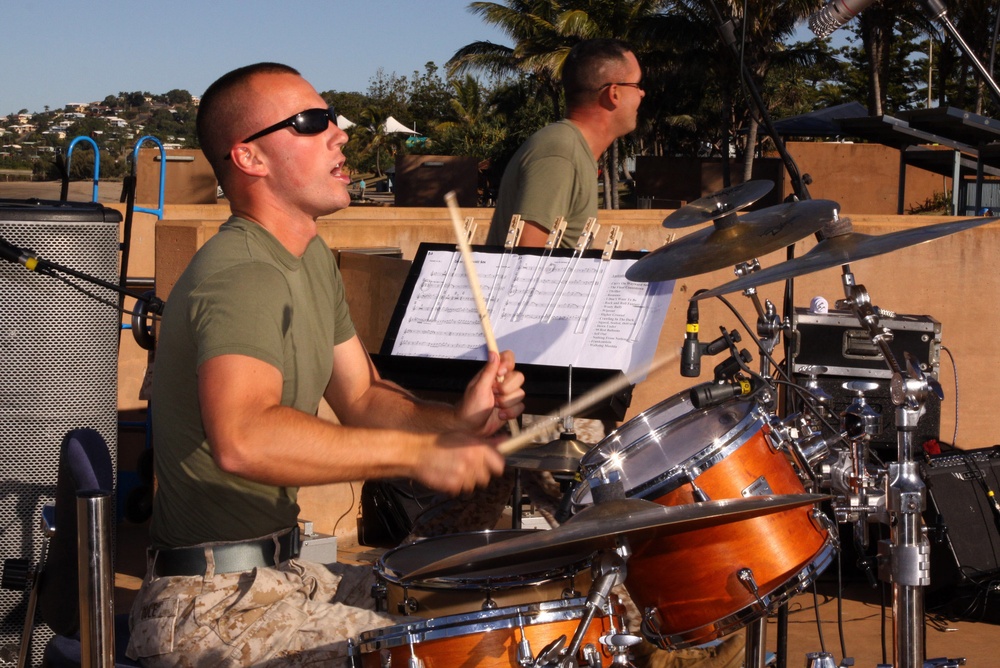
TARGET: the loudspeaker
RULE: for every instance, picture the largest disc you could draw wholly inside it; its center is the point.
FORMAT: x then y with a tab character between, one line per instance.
963	520
59	355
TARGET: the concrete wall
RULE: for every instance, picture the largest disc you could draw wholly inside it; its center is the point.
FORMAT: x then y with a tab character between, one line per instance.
950	279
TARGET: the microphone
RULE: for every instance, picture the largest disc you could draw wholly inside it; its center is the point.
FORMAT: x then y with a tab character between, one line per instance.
835	14
713	394
16	255
691	351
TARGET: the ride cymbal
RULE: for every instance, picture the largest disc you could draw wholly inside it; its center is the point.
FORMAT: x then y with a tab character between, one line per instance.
732	240
722	203
844	249
601	525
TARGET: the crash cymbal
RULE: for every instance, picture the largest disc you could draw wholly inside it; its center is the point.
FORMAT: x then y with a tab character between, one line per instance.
559	456
732	240
722	203
600	526
844	249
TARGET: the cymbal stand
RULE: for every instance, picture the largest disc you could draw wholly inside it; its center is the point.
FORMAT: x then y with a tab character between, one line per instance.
609	570
770	325
904	560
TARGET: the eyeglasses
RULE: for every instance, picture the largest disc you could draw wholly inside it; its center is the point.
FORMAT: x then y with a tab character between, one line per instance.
308	122
636	85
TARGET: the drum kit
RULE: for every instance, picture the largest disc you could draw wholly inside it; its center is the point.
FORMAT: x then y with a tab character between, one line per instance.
705	508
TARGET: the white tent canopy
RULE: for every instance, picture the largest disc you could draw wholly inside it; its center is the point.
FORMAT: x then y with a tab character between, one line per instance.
343	123
392	125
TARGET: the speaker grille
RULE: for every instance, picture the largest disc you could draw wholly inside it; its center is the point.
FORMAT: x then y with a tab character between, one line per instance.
58	352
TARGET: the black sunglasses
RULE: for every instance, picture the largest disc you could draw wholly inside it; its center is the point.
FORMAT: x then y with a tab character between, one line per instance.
630	84
308	122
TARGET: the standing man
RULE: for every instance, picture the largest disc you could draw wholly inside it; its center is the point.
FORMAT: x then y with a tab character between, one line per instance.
256	333
554	173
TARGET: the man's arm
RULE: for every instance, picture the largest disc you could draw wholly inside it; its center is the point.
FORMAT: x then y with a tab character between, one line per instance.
254	437
533	235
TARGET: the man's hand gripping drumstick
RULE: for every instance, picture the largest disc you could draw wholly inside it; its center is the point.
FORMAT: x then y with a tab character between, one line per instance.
477	294
601	392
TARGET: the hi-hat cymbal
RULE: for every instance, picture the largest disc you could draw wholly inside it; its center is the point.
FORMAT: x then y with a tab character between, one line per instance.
724	202
844	249
559	456
751	235
600	526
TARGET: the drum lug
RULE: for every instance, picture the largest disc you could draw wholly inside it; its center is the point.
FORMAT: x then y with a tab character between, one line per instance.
591	657
408	605
525	656
698	493
569	593
822	522
414	661
746	578
489	603
380	594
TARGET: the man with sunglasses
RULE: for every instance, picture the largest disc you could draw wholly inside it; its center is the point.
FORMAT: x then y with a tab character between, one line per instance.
256	332
554	173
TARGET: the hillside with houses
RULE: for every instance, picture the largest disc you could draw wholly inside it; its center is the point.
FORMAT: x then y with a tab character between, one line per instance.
30	141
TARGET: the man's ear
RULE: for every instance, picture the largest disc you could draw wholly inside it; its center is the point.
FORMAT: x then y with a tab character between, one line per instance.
245	159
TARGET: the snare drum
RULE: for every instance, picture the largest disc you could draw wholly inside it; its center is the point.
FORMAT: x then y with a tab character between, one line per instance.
700	585
488	638
518	583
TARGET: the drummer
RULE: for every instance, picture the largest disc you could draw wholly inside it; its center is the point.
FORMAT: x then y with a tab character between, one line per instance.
255	334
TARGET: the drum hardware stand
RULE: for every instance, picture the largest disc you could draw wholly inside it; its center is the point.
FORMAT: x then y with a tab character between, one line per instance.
904	559
609	570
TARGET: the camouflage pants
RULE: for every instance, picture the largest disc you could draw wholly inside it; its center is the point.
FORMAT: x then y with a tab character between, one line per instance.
297	613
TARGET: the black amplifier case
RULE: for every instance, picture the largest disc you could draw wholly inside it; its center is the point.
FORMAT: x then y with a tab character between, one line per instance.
837	342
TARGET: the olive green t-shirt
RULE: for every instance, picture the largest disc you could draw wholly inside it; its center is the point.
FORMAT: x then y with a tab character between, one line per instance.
243	294
552	174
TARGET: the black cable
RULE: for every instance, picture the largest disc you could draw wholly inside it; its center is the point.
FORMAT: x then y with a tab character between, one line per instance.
346	512
819	623
954	369
840	606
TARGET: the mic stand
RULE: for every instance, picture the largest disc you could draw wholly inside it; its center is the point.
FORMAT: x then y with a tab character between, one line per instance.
46	268
935	9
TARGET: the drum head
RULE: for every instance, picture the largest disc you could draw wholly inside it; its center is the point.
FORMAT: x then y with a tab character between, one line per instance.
656	451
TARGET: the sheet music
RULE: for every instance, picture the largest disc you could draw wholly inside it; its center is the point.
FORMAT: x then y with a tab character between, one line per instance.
620	327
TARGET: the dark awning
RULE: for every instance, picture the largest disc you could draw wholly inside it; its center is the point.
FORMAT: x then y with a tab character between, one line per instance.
819	123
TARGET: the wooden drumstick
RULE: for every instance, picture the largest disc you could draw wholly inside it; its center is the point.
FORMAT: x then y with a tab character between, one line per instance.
477	293
577	406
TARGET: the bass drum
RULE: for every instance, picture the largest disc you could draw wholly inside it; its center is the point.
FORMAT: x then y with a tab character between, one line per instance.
700	585
517	583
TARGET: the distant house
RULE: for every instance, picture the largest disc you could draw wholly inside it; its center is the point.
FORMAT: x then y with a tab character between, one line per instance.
23	128
78	107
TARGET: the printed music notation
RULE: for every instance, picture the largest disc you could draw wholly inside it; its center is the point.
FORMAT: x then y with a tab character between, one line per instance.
558	311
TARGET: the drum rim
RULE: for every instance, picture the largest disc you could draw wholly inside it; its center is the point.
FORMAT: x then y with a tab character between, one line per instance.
794	584
393	576
723	446
467	623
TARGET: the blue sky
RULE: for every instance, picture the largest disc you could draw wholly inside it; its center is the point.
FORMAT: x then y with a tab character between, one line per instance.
61	51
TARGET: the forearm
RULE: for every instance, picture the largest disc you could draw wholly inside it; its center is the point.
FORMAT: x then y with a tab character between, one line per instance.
284	446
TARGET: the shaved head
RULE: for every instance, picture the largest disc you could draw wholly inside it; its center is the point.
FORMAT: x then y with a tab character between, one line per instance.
223	114
591	64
